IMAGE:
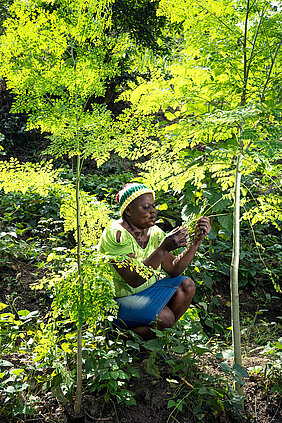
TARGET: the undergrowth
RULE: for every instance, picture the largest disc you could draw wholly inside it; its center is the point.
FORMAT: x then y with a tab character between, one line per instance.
38	347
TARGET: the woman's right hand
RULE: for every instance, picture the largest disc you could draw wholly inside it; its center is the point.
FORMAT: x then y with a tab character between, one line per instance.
178	237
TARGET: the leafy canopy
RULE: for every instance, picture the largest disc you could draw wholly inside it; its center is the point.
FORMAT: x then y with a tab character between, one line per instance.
55	58
219	96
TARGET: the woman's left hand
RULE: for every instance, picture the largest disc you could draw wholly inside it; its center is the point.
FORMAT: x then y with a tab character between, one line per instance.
202	228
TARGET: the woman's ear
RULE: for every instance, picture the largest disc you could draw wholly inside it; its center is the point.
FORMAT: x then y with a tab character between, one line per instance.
127	211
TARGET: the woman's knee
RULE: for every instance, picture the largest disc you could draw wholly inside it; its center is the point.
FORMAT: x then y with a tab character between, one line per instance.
188	287
166	318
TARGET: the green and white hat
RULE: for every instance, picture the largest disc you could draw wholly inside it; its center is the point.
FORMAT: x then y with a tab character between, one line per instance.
129	192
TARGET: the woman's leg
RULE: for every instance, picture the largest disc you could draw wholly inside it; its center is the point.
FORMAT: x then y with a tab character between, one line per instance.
182	298
175	308
166	319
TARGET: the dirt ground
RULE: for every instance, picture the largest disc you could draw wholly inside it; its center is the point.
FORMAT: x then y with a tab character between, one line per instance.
152	395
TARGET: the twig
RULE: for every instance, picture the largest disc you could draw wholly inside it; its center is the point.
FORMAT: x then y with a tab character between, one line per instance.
187	383
97	418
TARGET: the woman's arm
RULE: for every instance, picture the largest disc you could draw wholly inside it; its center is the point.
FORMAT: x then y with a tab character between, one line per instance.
163	256
132	277
174	266
175	239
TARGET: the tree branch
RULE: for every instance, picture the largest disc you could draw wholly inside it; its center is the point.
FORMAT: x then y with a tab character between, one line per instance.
243	96
253	45
269	73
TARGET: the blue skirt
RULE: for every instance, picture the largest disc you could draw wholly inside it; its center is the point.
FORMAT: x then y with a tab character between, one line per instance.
143	308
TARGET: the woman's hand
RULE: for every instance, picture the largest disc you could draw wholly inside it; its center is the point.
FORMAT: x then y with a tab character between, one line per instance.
178	237
174	266
202	228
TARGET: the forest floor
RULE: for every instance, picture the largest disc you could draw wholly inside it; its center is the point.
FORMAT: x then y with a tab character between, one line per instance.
151	392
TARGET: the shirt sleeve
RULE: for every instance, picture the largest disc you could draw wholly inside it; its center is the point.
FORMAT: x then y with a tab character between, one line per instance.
109	245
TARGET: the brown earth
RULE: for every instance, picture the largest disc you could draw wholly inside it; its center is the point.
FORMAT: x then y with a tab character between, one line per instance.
152	395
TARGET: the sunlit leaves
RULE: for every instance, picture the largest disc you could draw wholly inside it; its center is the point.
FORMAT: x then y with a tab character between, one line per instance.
42	178
94	216
21	177
56	57
91	302
208	67
92	137
218	95
268	209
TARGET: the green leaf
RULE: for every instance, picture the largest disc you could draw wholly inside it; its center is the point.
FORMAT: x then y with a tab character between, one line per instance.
207	281
150	365
225	354
204	305
278	345
163	207
179	405
169	115
133	345
5	363
2	306
154	345
66	347
225	367
226	222
57	391
17	372
209	322
200	350
238	379
179	349
130	401
23	313
114	374
10	389
203	391
171	403
240	371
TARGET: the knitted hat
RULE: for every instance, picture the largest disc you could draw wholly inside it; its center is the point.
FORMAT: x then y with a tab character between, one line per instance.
129	192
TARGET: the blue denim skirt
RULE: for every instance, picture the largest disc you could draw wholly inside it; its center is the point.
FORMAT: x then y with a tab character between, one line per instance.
143	308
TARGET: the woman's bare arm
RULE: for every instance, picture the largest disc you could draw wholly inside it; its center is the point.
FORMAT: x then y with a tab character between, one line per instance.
163	256
135	279
174	266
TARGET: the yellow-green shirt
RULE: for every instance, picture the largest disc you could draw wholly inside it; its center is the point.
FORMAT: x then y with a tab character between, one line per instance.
127	245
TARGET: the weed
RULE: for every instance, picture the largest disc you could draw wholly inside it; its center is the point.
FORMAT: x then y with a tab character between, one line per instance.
17	335
257	331
273	367
109	368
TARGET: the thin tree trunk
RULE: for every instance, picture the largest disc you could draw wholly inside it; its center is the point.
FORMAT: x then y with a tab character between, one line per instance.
234	267
234	270
77	405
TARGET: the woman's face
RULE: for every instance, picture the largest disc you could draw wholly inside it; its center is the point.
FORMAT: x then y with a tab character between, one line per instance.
142	212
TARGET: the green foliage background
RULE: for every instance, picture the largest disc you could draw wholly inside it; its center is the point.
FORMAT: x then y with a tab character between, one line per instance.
177	90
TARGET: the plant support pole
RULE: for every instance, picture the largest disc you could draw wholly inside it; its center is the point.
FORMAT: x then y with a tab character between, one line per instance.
234	269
